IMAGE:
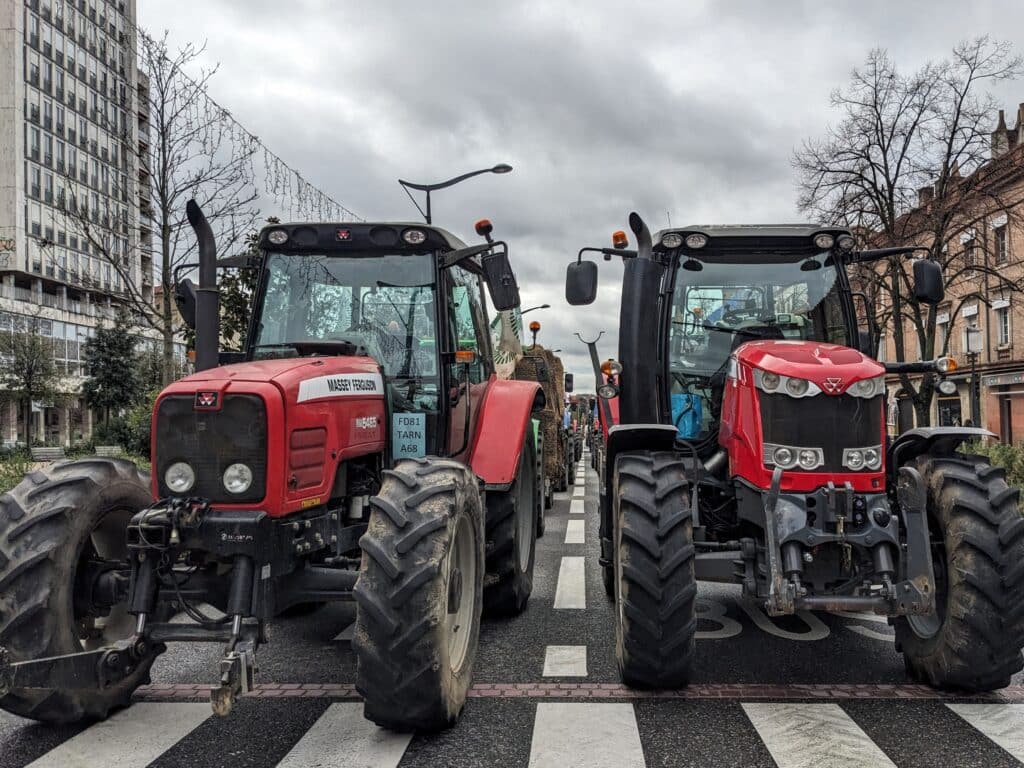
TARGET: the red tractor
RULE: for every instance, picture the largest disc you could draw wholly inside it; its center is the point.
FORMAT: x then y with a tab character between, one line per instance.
359	449
750	448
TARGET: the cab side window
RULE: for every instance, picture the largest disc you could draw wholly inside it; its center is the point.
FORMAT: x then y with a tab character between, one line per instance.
468	321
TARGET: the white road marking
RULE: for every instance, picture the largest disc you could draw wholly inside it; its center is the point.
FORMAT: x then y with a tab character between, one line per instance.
714	611
565	661
584	735
133	737
1002	723
576	507
579	492
571	591
345	636
814	736
342	736
817	630
574	532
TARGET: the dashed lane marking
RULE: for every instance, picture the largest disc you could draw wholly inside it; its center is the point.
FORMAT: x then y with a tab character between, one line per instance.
814	736
133	737
574	532
576	507
578	492
565	661
1002	723
571	592
585	736
342	736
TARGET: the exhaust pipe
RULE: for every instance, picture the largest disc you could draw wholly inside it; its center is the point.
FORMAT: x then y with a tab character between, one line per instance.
207	298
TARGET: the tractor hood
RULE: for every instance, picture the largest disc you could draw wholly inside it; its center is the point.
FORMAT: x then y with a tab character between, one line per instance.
832	367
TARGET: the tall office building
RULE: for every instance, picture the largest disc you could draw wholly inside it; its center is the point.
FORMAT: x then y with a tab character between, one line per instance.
73	119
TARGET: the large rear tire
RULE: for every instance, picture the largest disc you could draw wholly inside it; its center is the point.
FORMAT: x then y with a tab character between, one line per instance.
419	595
52	524
512	540
656	587
973	640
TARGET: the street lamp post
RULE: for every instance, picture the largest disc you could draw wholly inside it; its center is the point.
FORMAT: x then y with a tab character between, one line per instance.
973	350
428	188
540	306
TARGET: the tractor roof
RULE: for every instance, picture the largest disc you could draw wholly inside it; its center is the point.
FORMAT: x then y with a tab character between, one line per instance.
753	230
358	236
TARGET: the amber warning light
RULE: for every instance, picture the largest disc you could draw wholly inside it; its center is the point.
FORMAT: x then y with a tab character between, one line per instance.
619	239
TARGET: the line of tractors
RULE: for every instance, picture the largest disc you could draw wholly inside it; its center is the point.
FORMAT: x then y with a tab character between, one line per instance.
362	449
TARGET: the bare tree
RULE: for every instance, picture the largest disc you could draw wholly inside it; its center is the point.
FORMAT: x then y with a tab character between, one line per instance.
909	163
28	373
193	149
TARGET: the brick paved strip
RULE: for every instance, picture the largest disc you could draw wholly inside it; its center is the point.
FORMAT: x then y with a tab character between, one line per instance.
543	690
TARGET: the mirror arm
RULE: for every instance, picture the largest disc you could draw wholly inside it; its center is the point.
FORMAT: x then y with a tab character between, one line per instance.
454	257
607	253
875	254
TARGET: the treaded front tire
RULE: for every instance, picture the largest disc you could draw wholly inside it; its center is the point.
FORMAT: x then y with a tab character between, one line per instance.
46	524
410	669
656	587
973	641
512	540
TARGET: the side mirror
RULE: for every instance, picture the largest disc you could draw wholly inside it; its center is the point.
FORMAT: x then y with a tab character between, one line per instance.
185	298
501	281
568	382
581	283
928	283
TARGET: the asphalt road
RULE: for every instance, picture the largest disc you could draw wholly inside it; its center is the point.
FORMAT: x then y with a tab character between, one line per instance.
819	691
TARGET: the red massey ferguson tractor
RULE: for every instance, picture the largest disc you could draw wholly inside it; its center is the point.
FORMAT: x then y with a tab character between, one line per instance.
751	449
360	449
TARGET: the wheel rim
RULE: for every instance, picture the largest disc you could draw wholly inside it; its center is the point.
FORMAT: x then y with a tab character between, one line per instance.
461	582
525	512
927	626
106	543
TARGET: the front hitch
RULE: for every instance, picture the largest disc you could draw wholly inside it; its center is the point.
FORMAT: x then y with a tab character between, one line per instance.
97	669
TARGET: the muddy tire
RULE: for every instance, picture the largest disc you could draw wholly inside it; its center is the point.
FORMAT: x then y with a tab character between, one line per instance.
656	587
419	595
50	524
973	641
512	540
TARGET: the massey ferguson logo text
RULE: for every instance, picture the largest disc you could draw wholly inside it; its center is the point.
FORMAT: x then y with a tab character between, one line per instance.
832	385
351	385
366	422
206	399
341	385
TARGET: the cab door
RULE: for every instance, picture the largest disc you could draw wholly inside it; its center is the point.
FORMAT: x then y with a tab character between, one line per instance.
467	378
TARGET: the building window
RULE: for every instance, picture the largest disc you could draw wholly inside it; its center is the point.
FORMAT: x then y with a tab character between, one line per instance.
1001	249
1003	326
941	336
970	256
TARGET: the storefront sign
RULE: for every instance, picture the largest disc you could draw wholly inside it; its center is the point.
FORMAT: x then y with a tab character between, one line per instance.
1003	379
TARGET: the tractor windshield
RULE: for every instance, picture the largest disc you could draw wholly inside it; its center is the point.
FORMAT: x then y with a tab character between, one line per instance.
729	300
383	303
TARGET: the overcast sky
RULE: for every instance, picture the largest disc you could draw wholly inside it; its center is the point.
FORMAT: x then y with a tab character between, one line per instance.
689	110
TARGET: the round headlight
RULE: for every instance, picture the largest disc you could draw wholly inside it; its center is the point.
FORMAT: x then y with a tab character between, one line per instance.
696	241
872	458
854	460
238	478
824	241
414	236
797	387
808	458
278	237
945	365
672	240
846	242
947	387
769	381
179	477
607	391
783	457
864	388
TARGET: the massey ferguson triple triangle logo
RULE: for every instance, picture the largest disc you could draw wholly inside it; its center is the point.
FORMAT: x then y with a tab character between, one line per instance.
833	384
206	400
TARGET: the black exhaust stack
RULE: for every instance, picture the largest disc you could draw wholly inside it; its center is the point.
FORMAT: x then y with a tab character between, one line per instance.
638	331
207	299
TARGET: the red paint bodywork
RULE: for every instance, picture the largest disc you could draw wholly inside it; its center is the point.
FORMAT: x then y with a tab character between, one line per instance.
613	409
277	383
505	414
740	432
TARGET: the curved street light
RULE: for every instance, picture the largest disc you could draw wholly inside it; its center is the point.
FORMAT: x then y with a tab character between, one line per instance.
428	188
539	306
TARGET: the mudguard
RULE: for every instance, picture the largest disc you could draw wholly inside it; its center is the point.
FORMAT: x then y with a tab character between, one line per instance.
505	415
937	440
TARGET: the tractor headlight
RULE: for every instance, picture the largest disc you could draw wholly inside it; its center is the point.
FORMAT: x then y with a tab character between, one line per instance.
853	458
237	478
789	457
872	458
824	241
767	381
797	387
696	240
179	477
607	391
672	240
867	388
810	458
414	236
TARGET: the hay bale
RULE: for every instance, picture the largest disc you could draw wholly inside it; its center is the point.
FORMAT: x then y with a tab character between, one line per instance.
535	362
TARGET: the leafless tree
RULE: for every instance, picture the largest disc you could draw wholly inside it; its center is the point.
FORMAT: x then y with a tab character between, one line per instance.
27	370
909	163
192	149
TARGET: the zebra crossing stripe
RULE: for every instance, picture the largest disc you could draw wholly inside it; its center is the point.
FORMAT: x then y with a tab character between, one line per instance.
574	532
342	736
565	661
1002	723
571	591
585	735
134	737
814	735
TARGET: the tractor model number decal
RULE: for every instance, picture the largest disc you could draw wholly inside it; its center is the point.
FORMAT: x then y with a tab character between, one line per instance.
366	422
341	385
409	435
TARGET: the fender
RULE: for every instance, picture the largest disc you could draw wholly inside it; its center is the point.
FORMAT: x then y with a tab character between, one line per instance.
505	416
915	442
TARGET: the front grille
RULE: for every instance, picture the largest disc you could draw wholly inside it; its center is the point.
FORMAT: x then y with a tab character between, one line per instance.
823	421
211	441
